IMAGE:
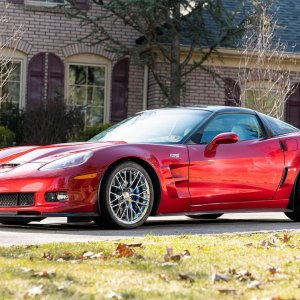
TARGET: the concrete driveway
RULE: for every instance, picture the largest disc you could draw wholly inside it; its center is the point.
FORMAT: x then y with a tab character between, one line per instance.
57	230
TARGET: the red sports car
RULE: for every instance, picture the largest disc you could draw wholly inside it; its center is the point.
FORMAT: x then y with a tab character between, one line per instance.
199	161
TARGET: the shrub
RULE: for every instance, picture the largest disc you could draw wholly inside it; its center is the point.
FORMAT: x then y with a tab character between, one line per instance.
91	131
52	122
11	117
7	137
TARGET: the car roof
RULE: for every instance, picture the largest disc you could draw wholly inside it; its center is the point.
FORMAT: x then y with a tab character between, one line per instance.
214	108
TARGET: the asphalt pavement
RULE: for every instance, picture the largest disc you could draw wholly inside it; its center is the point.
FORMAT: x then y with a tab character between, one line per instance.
58	230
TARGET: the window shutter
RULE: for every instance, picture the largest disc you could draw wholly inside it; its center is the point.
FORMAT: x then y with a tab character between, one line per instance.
82	4
293	107
232	93
119	97
16	1
55	76
36	80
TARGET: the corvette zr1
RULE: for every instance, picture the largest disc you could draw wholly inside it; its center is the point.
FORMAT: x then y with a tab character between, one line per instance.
200	161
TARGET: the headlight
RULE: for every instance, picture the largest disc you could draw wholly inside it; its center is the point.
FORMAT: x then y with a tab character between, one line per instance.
68	161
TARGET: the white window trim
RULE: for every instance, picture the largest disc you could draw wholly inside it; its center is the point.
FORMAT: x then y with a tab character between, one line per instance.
18	56
96	61
41	3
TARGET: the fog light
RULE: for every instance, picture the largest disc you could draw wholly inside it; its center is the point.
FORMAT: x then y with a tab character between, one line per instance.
56	197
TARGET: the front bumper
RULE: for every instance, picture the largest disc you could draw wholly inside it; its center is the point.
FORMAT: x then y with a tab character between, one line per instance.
82	196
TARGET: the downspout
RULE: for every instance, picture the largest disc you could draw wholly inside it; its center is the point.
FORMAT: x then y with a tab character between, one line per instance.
145	88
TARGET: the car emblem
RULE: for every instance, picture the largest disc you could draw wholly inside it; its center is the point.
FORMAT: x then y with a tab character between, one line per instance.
174	155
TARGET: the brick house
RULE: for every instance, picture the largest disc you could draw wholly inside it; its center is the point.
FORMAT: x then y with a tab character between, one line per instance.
49	58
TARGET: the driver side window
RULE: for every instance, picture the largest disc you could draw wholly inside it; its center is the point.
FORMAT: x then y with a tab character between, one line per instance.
246	126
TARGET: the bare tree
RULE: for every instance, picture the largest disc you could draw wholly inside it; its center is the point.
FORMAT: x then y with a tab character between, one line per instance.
264	75
170	32
9	39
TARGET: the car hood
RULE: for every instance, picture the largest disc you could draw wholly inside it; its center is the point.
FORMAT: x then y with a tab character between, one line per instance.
46	154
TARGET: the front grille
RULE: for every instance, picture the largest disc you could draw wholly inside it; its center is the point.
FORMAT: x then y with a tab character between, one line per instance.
16	199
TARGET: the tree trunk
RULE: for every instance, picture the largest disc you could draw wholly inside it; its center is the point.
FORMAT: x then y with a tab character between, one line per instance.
175	76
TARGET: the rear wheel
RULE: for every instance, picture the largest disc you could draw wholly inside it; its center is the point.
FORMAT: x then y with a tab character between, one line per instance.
205	216
295	214
126	197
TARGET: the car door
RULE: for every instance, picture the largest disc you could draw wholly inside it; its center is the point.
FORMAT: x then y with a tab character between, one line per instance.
242	173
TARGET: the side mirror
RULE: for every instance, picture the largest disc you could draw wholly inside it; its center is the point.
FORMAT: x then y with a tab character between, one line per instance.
222	138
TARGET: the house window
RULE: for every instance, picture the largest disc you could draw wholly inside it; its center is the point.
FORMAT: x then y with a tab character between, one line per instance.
264	97
88	86
10	87
86	89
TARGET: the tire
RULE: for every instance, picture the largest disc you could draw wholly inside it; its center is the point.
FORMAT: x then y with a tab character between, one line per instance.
205	216
18	221
126	197
295	214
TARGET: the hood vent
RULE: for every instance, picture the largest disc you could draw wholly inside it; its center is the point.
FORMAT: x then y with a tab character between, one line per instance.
7	167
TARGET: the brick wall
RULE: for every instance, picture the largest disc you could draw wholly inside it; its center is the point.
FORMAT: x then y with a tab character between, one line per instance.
201	88
50	30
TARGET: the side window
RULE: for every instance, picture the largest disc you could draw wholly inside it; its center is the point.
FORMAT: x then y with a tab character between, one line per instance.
246	126
279	127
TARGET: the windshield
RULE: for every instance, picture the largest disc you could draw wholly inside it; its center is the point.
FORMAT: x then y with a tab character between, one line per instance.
155	126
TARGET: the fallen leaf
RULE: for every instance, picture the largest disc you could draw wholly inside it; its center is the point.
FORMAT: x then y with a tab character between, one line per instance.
186	277
65	256
175	258
34	291
64	286
219	277
169	253
185	254
25	270
97	255
272	270
114	295
286	238
45	274
48	255
136	245
227	291
91	255
232	271
267	244
292	246
75	261
124	251
254	284
88	254
244	276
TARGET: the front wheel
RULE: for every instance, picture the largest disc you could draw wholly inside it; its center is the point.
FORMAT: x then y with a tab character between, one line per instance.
126	197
